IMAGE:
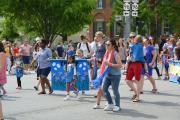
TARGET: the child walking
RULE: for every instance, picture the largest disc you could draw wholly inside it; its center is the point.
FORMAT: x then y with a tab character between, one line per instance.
80	55
19	73
71	76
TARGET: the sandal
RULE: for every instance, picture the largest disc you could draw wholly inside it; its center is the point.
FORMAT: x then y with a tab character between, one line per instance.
133	97
136	100
154	91
41	93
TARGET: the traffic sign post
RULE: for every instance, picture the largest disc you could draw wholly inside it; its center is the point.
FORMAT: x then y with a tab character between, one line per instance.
130	9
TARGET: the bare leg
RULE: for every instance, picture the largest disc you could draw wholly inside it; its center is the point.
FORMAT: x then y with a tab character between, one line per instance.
131	85
152	81
1	112
99	95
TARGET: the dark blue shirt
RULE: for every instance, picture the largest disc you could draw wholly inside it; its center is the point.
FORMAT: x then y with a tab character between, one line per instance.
149	56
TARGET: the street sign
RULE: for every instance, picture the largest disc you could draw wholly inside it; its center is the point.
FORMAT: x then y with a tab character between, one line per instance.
135	6
127	1
135	1
127	6
118	18
126	13
134	13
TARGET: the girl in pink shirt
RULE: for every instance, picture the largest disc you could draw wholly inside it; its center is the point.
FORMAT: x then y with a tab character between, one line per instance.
3	78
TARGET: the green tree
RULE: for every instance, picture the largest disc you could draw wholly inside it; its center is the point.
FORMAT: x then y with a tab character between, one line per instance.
9	30
49	18
153	13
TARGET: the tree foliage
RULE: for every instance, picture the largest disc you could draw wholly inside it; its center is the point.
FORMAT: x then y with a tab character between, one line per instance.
49	18
152	11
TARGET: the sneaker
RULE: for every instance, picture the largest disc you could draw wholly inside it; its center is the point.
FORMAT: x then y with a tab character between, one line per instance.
106	104
116	109
67	97
19	88
109	107
165	78
97	107
35	88
76	93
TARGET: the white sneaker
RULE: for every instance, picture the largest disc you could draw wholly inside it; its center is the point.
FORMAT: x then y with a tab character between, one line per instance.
97	107
78	96
109	107
106	104
67	97
116	109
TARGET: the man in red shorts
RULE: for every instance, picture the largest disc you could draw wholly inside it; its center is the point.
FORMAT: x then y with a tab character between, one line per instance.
136	61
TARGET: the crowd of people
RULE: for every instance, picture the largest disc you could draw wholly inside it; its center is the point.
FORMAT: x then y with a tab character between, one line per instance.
138	57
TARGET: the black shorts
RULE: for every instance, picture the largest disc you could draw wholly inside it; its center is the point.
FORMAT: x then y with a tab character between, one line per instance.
44	72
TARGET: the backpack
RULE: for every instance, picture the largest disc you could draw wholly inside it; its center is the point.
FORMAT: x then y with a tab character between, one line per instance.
86	46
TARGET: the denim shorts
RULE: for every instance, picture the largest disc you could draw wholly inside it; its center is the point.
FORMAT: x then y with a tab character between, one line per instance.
44	72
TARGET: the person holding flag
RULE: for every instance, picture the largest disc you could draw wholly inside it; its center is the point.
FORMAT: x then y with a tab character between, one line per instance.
111	73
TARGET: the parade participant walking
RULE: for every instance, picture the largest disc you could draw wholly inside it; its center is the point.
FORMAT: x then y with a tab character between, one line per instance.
122	50
113	61
150	59
80	56
84	45
19	72
25	51
3	79
100	51
44	56
156	48
135	64
71	77
35	55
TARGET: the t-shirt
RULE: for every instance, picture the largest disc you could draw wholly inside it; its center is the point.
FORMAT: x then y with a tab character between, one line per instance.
71	71
84	48
149	56
19	71
136	52
43	56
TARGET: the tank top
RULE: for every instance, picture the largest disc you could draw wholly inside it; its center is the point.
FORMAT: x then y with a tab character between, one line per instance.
114	70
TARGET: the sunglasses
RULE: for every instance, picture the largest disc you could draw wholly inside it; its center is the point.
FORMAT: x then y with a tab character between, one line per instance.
108	44
132	36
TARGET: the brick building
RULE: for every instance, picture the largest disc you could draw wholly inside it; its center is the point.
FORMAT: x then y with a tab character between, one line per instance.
101	17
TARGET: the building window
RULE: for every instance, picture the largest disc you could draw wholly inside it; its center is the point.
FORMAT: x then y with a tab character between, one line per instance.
100	4
112	2
99	25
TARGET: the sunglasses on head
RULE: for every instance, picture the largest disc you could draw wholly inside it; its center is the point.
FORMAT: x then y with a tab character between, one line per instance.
132	36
